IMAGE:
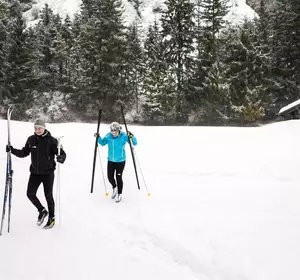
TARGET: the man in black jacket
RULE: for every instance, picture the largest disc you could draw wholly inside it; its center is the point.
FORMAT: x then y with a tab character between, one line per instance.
43	148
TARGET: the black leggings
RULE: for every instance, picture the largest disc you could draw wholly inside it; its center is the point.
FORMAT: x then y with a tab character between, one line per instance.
33	185
118	167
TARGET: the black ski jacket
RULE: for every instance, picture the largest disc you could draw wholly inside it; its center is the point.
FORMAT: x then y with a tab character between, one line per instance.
42	149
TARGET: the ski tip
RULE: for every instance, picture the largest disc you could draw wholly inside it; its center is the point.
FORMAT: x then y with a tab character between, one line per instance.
149	194
107	194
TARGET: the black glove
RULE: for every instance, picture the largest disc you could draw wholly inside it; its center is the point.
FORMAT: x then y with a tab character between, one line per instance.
60	159
9	148
97	135
129	134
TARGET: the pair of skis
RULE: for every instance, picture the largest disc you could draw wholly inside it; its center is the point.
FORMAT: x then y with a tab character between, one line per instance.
96	147
8	180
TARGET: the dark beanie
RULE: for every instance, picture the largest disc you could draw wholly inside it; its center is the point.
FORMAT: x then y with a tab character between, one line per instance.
40	123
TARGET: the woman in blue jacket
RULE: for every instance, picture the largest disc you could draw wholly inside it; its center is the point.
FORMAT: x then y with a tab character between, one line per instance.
116	140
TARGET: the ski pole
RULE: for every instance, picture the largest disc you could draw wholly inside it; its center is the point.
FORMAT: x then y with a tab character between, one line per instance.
58	179
95	150
106	193
141	172
131	149
9	178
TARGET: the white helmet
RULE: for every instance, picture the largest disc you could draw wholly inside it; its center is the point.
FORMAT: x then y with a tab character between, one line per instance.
115	126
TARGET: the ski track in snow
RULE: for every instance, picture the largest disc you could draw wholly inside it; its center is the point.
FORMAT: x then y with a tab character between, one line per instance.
138	236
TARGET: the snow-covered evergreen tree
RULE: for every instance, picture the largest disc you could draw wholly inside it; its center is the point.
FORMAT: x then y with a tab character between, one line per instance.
178	31
135	65
285	49
247	74
102	45
4	14
20	61
159	96
213	15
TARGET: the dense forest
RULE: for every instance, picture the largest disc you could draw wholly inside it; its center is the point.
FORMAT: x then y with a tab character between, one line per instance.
191	67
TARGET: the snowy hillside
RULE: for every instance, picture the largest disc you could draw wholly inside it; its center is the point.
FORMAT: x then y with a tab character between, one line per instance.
239	10
224	205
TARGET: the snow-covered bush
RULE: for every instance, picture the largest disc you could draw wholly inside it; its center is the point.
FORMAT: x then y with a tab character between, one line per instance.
51	106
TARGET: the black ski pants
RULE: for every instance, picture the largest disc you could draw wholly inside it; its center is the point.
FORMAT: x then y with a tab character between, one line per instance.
117	167
33	185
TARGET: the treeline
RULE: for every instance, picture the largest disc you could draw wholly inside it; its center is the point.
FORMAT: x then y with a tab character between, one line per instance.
191	67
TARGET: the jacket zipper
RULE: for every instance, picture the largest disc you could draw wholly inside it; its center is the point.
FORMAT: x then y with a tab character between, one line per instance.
37	156
113	149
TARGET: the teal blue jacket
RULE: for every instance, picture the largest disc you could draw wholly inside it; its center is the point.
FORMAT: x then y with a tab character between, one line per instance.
116	145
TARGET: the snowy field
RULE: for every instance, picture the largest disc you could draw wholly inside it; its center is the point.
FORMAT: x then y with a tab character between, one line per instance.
224	205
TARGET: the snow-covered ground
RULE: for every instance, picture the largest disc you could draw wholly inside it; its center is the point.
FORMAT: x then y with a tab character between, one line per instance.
224	205
63	7
238	10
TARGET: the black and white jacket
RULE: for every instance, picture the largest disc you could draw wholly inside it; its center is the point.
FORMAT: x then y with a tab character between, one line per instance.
43	150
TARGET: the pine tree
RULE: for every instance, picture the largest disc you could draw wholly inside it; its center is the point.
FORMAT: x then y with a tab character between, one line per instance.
247	73
3	46
47	32
195	95
88	9
214	12
285	53
135	66
159	99
262	44
64	44
102	42
19	77
112	40
178	32
294	38
213	15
